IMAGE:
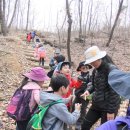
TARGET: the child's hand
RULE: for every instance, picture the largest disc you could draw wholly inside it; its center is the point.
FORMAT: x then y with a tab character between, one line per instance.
86	93
71	97
78	106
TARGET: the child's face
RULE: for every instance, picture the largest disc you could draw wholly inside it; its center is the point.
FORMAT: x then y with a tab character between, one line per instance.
84	69
65	69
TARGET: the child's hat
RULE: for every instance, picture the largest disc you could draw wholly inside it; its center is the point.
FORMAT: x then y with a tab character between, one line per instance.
83	64
37	74
59	67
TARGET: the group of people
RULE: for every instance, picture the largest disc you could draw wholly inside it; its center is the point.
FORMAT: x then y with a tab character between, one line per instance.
32	36
105	85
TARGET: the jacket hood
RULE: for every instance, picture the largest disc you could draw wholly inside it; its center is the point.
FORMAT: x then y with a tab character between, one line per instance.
125	120
46	98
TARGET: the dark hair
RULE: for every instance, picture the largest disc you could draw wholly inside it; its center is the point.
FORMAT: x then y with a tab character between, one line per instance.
58	81
59	58
24	82
108	59
64	64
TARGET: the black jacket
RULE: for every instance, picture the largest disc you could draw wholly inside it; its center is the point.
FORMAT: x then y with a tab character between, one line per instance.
104	97
85	78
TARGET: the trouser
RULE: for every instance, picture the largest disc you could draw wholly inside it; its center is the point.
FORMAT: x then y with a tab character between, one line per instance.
92	116
21	125
41	61
84	104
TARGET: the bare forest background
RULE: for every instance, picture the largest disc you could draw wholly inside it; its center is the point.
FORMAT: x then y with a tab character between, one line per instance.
80	21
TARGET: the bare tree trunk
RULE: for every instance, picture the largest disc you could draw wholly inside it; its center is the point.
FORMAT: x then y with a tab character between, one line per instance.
7	17
17	15
14	12
80	9
90	20
111	15
115	23
69	30
2	18
86	23
59	37
28	15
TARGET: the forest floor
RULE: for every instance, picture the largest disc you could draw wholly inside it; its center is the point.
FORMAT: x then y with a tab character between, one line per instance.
14	55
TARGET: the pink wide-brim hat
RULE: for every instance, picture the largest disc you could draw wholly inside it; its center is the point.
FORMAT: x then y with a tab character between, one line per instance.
37	74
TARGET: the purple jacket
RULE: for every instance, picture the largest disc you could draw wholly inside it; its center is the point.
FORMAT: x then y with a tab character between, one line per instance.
112	124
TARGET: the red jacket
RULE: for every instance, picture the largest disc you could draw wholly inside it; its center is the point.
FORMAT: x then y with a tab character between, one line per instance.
73	84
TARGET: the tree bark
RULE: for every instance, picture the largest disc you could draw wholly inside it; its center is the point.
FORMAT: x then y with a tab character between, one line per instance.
69	30
80	9
90	19
2	18
14	12
28	15
115	23
8	10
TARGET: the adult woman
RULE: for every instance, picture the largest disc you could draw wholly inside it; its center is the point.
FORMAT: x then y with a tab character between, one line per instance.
105	101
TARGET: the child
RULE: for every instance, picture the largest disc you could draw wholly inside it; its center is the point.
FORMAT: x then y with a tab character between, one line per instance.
28	37
58	114
56	53
85	77
65	69
57	59
41	54
33	81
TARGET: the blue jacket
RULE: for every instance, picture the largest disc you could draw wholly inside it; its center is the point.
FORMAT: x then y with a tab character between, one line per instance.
112	124
57	112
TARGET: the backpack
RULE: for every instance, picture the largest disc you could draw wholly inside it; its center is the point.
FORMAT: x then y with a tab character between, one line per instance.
36	121
18	108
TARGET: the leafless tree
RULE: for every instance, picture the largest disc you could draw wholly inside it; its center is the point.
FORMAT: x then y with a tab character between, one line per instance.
115	23
80	10
8	12
14	12
69	29
2	17
28	15
59	37
90	17
111	14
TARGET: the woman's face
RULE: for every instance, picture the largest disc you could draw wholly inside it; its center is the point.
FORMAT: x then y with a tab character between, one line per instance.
96	63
